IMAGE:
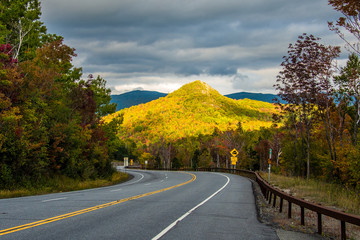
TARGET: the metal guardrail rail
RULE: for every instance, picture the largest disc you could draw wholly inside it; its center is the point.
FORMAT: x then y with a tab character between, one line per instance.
271	194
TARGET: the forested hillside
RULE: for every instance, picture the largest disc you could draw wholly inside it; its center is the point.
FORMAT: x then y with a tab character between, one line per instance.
136	97
181	121
49	117
194	109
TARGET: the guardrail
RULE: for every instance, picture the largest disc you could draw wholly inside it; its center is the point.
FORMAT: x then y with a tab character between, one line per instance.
269	191
271	194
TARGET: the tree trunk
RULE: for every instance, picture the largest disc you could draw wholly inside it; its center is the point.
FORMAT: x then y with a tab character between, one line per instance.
356	122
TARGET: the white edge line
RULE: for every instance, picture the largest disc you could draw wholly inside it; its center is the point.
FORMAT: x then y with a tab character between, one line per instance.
163	232
54	199
115	190
125	184
142	176
93	189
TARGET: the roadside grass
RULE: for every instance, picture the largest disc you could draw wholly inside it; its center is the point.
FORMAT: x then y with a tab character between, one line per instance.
64	184
327	194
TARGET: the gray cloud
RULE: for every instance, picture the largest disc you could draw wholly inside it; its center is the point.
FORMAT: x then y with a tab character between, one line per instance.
127	40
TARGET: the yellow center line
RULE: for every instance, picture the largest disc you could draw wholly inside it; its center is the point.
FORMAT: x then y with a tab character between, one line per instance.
72	214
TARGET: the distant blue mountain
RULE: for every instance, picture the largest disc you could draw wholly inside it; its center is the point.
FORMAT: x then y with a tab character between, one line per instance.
254	96
133	98
137	97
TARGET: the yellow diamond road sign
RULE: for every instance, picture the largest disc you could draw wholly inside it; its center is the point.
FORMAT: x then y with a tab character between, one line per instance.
234	152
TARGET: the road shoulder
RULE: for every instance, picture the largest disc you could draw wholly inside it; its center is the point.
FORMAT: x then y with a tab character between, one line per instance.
285	230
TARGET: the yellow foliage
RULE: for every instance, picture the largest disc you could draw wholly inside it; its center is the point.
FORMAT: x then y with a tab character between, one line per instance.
192	110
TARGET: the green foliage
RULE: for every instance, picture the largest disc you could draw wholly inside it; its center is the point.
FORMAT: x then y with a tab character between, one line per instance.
49	117
22	27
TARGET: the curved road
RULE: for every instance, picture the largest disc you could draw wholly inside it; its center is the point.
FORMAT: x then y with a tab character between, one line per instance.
152	205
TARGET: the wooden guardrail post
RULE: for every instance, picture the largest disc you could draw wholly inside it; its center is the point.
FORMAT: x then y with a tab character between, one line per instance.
289	209
270	196
302	215
274	203
319	223
343	230
281	204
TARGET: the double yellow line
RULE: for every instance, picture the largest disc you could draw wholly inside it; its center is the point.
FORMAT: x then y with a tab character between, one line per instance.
72	214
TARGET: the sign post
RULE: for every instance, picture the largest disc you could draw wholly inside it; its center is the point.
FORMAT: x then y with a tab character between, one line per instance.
126	161
269	161
234	159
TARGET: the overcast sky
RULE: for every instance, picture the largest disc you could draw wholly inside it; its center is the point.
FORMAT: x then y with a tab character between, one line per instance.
160	45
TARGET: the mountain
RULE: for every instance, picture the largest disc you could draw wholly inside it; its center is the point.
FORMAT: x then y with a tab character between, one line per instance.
255	96
194	109
133	98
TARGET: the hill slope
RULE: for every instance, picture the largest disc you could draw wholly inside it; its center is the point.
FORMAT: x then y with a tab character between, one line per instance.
194	109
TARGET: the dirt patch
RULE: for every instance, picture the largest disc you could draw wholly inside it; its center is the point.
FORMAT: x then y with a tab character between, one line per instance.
270	215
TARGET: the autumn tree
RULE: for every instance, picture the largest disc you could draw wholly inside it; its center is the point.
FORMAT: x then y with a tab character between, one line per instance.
350	21
50	118
304	82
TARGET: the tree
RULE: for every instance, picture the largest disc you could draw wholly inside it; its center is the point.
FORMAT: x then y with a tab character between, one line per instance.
22	27
50	119
303	83
349	91
102	96
350	21
262	149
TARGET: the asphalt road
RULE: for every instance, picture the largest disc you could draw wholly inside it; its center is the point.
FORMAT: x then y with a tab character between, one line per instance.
152	205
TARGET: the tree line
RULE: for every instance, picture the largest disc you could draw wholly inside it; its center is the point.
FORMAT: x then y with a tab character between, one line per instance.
50	118
321	119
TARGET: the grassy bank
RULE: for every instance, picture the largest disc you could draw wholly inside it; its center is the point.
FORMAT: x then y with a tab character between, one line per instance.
328	194
64	184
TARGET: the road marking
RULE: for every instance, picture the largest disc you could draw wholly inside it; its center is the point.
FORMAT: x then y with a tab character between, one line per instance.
115	190
126	184
79	192
72	214
142	176
168	228
55	199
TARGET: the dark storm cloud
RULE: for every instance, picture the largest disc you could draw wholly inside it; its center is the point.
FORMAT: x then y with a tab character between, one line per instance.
139	38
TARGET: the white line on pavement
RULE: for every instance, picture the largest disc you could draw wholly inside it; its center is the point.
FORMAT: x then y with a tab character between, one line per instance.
168	228
115	190
142	176
54	199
